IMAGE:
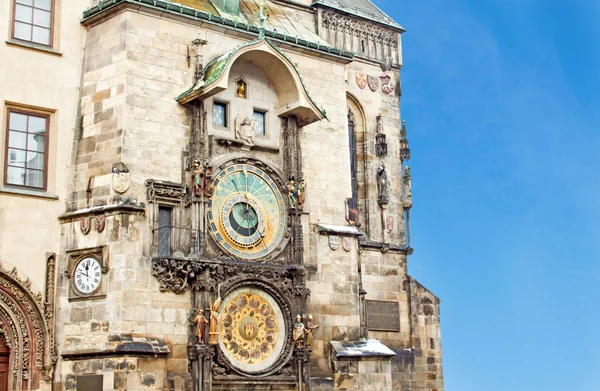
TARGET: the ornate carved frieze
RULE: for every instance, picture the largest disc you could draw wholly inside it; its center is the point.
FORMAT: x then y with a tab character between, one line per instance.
27	326
165	191
363	38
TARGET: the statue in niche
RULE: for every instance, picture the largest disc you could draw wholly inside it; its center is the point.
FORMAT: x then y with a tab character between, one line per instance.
213	332
300	191
245	131
200	322
382	186
379	127
197	177
299	332
292	192
209	189
241	89
407	200
309	330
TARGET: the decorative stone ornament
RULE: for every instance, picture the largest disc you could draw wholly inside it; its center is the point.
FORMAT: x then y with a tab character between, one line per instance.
334	242
373	82
85	224
346	243
389	224
388	84
244	129
361	80
100	223
121	178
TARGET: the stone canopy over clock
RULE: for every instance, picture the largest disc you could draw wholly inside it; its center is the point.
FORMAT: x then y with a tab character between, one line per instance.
247	213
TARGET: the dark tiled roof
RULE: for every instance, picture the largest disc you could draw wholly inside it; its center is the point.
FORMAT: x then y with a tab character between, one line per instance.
362	8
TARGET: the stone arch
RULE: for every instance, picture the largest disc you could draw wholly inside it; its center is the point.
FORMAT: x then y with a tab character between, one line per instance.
357	123
282	73
25	331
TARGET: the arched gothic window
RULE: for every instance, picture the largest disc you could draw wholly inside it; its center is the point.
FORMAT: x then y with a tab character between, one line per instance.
353	202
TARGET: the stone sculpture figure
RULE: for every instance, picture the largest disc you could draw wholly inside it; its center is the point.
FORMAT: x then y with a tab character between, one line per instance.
407	200
245	132
208	187
200	322
213	332
382	186
309	330
197	177
299	332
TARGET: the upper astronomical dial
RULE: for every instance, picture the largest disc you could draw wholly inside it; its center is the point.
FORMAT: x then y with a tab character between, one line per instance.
246	214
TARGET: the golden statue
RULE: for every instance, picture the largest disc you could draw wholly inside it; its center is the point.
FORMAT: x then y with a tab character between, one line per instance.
213	333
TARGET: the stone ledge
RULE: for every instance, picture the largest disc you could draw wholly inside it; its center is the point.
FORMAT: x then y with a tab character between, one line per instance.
337	230
370	349
103	210
123	345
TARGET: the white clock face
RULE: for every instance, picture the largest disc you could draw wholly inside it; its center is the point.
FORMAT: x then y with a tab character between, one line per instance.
88	274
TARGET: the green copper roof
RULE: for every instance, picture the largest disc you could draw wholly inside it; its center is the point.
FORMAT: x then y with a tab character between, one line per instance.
280	26
215	68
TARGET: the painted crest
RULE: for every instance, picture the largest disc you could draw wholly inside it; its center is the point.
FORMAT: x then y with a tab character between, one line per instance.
121	181
100	223
361	80
85	224
346	243
334	242
373	82
389	224
387	84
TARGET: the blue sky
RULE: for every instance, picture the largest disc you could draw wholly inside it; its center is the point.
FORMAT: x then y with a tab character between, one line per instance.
502	102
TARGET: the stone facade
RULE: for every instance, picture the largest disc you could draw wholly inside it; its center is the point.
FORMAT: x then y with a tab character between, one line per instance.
161	129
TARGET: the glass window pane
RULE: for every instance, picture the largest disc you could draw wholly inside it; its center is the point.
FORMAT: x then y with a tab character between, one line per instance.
37	124
15	176
26	2
41	18
16	157
18	122
41	35
35	160
35	178
23	31
220	115
23	13
43	4
17	140
36	142
259	119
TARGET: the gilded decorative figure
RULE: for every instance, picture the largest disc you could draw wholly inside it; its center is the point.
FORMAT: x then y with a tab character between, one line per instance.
292	192
197	178
240	91
200	322
382	186
300	191
407	200
213	333
299	331
309	329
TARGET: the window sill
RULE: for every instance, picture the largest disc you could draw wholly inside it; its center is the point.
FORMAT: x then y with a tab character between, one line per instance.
28	193
33	46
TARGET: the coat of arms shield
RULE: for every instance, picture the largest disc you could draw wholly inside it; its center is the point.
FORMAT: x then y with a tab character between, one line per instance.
373	82
361	80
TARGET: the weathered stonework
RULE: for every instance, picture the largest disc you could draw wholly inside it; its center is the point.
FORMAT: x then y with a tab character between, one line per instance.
148	142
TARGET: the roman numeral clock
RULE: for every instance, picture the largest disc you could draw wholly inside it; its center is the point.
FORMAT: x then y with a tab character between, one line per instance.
86	270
